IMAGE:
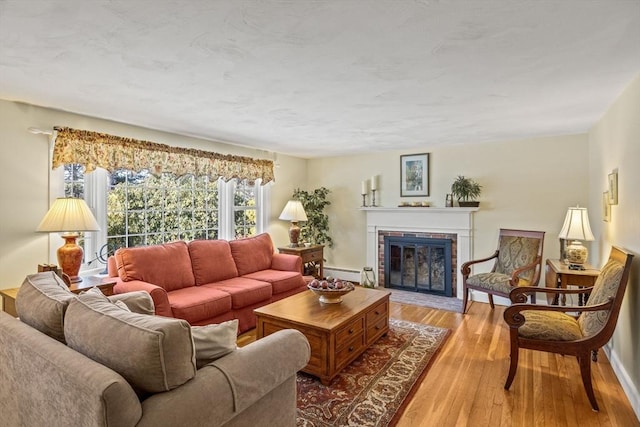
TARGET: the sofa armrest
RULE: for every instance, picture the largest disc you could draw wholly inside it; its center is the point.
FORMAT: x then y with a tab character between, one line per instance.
138	302
234	382
158	294
286	262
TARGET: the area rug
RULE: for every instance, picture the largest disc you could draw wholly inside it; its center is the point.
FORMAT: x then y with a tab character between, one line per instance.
426	300
375	387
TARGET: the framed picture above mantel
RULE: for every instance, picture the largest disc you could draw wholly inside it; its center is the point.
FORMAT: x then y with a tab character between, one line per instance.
414	175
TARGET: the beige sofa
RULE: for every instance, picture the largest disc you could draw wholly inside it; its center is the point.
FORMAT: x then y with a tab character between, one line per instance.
44	381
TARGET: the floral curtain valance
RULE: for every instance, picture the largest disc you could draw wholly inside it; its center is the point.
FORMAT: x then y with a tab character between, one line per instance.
100	150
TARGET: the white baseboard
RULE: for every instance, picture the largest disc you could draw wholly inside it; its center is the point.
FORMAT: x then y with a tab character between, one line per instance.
342	273
627	384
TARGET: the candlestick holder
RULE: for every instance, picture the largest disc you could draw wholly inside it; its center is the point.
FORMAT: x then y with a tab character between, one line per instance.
364	201
373	199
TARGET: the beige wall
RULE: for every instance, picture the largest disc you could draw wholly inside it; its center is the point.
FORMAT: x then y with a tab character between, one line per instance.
527	184
614	143
24	172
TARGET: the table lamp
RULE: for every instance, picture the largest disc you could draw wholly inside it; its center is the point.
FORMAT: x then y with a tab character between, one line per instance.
294	212
69	216
576	228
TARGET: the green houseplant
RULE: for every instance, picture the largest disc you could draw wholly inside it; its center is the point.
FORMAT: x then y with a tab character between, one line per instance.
316	229
466	190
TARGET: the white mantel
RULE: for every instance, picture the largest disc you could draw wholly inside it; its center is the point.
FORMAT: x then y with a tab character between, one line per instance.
458	221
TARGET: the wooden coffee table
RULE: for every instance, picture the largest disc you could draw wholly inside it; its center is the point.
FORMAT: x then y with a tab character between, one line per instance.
337	333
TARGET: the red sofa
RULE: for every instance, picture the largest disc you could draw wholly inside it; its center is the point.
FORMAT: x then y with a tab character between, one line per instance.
209	281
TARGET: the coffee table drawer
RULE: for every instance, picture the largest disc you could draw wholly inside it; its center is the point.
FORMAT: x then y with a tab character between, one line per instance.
376	330
378	312
349	331
350	351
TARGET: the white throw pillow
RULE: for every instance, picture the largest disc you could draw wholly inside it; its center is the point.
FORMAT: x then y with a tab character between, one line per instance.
214	341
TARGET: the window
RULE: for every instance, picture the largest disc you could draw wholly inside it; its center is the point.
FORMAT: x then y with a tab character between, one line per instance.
142	209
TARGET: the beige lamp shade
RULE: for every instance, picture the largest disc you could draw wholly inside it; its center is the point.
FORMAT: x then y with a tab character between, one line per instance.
69	215
294	212
576	228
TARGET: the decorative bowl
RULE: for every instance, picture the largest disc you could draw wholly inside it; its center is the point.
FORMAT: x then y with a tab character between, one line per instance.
331	294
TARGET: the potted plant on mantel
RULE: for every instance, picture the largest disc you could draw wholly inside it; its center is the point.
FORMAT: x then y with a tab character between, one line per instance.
467	191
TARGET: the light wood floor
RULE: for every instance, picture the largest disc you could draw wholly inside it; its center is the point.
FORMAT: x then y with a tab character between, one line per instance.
464	386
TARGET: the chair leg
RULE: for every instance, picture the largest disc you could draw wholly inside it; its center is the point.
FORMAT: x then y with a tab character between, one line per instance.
465	297
585	370
513	366
491	301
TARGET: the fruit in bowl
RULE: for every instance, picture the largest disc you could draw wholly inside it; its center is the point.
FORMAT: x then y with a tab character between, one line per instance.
330	290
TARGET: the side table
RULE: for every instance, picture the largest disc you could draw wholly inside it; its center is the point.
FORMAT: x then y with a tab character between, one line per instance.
105	284
558	275
312	258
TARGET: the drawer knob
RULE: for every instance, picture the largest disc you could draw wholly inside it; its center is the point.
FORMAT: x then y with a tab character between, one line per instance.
377	327
350	348
377	312
351	331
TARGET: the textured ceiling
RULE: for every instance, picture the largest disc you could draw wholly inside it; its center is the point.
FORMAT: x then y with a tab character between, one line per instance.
319	78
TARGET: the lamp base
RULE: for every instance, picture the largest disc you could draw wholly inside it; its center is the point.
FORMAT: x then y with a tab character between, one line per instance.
70	257
576	254
294	235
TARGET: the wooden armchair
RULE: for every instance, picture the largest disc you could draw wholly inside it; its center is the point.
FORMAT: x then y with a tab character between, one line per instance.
551	329
518	261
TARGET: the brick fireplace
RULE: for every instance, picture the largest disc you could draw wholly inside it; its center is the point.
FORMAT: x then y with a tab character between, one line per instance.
454	224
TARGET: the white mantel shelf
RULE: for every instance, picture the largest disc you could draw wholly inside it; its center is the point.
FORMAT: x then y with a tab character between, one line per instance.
458	221
418	208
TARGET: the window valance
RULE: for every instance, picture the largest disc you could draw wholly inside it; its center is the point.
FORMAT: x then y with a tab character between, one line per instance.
93	150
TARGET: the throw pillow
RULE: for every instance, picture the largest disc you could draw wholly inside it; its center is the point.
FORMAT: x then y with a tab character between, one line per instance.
214	341
153	353
42	302
122	306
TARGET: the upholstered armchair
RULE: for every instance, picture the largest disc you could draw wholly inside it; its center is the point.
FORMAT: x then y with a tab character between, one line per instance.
517	262
552	329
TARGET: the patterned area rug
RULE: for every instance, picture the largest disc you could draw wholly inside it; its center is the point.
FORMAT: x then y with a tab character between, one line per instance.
426	300
375	386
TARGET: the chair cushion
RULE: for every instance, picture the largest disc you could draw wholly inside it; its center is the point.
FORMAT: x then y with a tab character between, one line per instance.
199	303
153	353
212	261
606	286
42	302
516	252
494	282
168	265
549	326
214	341
252	254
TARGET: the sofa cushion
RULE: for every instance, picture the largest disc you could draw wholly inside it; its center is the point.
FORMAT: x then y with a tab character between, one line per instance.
214	341
281	281
153	353
211	261
252	254
168	265
244	292
42	301
199	303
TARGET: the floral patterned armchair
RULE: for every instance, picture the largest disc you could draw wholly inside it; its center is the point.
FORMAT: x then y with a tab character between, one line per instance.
551	329
518	261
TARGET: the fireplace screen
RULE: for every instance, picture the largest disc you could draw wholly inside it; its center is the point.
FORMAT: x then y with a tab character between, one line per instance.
419	264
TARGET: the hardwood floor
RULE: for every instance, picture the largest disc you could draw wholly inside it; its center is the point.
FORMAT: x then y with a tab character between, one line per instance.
464	386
